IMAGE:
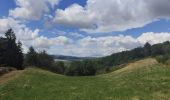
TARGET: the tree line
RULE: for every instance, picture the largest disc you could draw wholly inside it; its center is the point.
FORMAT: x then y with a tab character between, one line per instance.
11	55
106	64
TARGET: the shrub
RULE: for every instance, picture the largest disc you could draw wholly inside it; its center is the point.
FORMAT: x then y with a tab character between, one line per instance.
163	58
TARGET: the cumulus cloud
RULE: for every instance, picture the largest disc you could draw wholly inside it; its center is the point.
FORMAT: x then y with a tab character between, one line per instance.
99	46
6	23
31	9
96	16
154	38
22	32
75	15
53	2
113	15
27	34
45	43
83	46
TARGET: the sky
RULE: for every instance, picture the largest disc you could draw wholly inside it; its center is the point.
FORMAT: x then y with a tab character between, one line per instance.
86	28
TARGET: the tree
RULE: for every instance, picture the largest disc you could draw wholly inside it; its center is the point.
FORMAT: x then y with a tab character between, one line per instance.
3	46
10	35
11	52
31	57
58	67
147	49
44	60
20	56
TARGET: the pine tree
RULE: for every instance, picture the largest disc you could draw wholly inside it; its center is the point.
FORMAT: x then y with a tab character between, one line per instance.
32	57
11	54
147	49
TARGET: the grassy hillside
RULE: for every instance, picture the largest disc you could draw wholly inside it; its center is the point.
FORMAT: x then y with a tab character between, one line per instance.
142	80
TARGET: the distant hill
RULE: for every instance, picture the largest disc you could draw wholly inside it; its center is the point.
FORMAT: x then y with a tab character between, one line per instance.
142	80
70	58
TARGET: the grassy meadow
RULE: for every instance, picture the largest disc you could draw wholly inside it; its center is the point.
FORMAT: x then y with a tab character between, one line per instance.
141	80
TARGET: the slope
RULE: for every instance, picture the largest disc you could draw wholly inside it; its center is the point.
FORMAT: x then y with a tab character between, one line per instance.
144	79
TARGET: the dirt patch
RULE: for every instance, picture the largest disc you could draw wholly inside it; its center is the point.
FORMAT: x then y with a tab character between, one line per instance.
4	70
9	76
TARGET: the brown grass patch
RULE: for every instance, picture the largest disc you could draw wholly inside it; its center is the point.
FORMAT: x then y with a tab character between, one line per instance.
9	76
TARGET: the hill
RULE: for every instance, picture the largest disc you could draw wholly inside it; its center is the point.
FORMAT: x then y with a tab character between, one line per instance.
70	58
141	80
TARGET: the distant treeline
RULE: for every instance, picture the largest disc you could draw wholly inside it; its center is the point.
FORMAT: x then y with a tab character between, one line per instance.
11	55
106	64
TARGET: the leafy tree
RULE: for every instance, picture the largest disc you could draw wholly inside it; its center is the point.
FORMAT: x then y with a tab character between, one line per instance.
58	67
44	60
81	68
73	69
41	60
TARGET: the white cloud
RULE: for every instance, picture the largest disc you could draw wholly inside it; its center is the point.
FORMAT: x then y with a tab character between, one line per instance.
84	46
113	15
32	9
26	34
96	16
53	2
29	9
45	43
107	45
22	32
74	35
154	38
75	15
6	23
100	46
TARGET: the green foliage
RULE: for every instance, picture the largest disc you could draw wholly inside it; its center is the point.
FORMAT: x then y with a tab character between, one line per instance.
41	60
44	60
163	58
10	51
31	57
147	49
58	67
105	64
81	68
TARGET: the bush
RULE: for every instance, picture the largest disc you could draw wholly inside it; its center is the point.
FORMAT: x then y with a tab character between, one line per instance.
81	68
58	67
163	58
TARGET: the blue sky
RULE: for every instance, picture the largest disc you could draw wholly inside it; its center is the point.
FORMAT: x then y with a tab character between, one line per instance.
86	27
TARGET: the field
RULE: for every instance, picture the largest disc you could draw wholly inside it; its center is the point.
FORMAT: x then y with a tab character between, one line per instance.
141	80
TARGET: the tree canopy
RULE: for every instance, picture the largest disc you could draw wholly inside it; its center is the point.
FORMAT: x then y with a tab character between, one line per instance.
11	51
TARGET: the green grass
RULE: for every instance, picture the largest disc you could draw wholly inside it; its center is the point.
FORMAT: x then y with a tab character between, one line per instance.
142	80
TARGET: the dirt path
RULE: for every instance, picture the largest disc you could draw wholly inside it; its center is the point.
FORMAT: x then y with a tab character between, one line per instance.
9	76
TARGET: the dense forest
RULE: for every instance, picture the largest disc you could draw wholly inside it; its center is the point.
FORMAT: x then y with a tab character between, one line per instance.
11	56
